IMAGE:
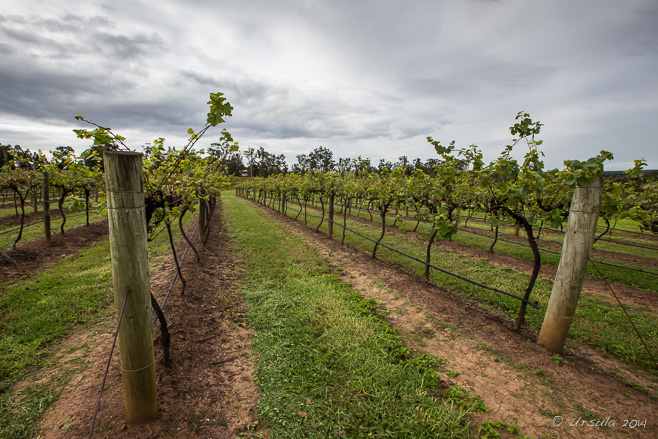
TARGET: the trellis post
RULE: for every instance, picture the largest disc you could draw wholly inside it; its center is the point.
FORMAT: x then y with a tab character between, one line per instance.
46	206
330	224
571	271
130	275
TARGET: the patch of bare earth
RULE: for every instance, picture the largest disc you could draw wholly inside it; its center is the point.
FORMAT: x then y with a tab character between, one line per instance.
208	391
517	379
27	259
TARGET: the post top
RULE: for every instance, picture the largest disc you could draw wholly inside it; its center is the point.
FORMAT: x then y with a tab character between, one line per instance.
112	152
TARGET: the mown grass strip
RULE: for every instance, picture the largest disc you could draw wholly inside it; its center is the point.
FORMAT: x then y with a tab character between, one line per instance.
328	364
598	322
39	312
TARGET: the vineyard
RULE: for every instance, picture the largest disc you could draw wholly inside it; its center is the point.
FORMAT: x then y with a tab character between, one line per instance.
350	302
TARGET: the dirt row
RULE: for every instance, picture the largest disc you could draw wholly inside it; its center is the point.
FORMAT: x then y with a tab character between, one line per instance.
34	256
517	379
208	389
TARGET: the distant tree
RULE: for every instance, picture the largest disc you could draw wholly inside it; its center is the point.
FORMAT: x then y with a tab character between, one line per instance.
403	163
235	165
383	164
14	157
303	164
4	155
427	167
363	165
225	155
267	164
321	159
345	165
249	154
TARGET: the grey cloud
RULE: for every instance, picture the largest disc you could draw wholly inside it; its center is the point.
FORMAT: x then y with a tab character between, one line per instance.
344	73
285	111
56	68
75	37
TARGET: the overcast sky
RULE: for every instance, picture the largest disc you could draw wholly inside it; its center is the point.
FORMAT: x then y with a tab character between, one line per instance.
370	78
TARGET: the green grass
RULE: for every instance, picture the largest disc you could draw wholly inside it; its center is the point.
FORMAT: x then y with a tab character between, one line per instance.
600	323
328	364
39	312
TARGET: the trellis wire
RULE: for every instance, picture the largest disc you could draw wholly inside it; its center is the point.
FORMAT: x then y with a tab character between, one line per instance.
107	366
627	316
532	304
558	253
38	222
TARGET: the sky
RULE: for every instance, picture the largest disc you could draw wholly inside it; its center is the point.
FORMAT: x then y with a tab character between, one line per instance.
370	78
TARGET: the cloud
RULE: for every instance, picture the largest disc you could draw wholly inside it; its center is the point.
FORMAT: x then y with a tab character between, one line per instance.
367	78
54	67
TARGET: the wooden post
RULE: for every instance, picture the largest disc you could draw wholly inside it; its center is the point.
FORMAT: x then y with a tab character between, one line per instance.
578	240
330	224
203	226
46	207
130	272
35	200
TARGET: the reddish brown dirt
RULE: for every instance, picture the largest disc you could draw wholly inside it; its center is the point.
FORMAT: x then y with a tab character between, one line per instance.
208	391
34	256
517	379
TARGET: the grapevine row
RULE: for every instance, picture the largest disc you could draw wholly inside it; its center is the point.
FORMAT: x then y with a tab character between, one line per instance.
462	184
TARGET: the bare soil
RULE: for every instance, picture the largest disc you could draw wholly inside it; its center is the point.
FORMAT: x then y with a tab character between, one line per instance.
517	378
209	389
27	259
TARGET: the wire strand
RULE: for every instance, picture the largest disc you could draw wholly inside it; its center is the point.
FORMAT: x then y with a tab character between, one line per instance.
107	366
627	316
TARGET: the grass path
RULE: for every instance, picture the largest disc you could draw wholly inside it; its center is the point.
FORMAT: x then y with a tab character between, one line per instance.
328	362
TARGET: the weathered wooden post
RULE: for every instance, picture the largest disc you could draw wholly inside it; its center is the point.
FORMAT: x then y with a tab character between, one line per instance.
203	217
35	200
46	207
130	272
330	224
578	240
